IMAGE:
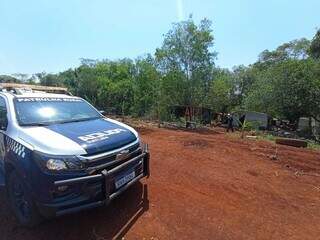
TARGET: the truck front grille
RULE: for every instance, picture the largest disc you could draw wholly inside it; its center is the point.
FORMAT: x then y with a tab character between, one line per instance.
108	161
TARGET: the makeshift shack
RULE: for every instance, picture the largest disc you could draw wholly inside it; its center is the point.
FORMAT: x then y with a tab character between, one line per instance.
308	127
192	114
258	120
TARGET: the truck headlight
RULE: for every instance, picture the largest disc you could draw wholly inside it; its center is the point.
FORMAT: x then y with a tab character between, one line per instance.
58	163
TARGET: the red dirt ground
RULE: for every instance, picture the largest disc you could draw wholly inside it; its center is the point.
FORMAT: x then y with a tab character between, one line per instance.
204	185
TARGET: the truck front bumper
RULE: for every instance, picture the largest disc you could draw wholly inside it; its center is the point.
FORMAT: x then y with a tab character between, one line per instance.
107	180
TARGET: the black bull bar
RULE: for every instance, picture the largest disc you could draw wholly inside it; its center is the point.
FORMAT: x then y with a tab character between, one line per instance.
106	175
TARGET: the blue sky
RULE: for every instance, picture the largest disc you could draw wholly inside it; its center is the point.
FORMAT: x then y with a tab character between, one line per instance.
52	35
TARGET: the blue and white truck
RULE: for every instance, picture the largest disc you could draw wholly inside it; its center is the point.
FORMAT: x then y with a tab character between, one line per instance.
60	155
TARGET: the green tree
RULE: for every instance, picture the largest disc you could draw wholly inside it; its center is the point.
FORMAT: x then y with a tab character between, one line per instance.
289	89
185	61
22	77
49	79
145	89
70	79
87	83
222	89
296	49
261	97
8	79
297	89
315	46
115	85
244	77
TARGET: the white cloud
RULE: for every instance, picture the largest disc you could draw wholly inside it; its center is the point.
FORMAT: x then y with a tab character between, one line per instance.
180	12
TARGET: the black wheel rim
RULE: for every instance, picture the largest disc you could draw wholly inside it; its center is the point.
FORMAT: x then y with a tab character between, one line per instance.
21	204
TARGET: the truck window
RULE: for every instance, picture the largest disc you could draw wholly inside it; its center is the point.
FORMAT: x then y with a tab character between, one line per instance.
46	111
3	112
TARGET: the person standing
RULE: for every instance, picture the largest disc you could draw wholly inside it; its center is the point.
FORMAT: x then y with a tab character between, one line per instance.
230	122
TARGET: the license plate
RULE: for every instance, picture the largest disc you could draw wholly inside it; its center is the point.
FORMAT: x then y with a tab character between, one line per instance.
122	181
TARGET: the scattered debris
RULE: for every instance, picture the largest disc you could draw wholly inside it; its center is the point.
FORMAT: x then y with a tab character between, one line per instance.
251	137
292	142
273	157
309	174
297	174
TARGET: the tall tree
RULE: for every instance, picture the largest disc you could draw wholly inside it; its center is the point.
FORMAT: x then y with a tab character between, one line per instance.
297	89
222	90
296	49
315	46
22	77
115	85
186	56
145	87
7	78
289	89
49	79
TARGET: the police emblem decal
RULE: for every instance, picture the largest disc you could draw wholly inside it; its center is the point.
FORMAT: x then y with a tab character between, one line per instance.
122	155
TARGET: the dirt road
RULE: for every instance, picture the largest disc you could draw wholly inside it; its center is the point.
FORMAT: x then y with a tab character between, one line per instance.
204	185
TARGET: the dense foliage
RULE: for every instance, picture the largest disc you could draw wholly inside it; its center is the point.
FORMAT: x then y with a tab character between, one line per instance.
284	82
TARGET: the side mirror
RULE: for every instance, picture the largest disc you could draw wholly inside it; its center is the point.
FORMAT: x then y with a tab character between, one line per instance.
102	112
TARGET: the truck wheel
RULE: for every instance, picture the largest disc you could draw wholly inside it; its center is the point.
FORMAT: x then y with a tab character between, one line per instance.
21	201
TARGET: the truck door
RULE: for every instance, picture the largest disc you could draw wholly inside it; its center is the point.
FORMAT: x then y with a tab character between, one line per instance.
3	124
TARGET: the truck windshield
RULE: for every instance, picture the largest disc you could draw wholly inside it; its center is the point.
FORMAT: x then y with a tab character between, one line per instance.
45	111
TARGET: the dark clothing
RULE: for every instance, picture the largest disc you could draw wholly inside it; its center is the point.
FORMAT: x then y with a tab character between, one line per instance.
230	123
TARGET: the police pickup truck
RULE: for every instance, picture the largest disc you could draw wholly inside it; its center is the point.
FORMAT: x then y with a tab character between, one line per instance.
59	155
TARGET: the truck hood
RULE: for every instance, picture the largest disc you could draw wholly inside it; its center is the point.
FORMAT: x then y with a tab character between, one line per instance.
79	138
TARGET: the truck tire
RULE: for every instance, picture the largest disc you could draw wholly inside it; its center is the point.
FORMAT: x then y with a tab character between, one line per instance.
21	201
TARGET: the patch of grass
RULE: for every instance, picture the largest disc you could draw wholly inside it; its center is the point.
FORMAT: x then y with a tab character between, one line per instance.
270	138
234	134
314	145
267	137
